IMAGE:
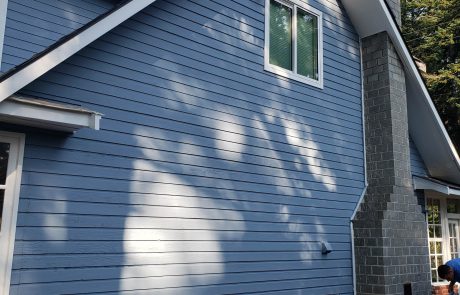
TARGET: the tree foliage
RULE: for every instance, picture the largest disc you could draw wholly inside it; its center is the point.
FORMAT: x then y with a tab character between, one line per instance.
431	29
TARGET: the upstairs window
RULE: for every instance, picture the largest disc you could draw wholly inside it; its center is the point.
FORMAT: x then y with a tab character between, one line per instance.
293	41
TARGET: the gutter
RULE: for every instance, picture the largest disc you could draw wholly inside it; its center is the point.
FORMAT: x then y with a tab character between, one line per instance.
363	193
428	183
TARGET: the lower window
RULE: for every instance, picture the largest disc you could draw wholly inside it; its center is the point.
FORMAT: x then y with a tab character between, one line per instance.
443	219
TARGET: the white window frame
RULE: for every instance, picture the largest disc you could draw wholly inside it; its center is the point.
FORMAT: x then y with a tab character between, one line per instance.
445	217
291	74
3	10
10	206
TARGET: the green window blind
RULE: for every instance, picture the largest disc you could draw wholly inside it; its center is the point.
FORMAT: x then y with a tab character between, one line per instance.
280	35
307	44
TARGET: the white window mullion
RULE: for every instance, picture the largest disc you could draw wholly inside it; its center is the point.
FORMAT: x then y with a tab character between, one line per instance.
294	39
445	230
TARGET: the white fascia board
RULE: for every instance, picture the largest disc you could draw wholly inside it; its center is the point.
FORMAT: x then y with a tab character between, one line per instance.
45	63
47	117
370	17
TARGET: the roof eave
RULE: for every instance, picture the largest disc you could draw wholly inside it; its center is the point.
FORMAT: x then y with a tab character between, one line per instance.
425	126
47	115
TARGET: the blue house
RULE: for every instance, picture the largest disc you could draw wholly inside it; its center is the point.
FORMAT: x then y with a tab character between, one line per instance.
219	147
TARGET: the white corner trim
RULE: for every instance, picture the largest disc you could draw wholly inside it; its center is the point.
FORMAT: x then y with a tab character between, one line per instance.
3	11
288	73
48	117
45	63
10	207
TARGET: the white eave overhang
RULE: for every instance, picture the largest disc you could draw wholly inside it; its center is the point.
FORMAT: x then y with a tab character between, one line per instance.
47	115
370	17
425	183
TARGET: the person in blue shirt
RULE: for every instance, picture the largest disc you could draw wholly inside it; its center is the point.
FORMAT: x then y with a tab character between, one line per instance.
451	272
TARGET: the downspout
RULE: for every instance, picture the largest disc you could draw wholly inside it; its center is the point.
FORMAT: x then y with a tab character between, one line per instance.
363	193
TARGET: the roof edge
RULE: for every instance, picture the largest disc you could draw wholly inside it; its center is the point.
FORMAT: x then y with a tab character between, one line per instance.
428	183
25	73
370	17
47	115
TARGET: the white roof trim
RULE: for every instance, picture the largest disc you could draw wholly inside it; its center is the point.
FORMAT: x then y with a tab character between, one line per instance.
428	184
425	126
48	61
46	115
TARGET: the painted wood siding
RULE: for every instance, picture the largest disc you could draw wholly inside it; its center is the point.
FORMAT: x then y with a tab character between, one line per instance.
208	176
418	167
34	25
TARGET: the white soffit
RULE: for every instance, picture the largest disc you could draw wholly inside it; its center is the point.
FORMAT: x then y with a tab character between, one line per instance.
46	62
370	17
47	115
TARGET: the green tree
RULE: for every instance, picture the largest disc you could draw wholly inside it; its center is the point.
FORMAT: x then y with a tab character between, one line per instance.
431	29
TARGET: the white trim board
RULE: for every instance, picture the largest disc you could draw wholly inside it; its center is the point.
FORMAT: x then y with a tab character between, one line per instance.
56	56
10	206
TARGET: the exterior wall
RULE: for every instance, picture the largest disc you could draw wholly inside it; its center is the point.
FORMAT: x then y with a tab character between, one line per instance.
417	165
33	25
390	228
208	175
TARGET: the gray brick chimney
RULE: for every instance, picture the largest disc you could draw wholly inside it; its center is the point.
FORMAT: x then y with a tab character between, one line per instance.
391	245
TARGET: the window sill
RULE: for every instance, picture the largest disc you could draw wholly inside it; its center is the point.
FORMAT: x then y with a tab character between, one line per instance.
288	74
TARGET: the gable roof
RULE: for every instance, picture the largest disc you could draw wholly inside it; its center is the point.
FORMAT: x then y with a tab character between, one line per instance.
425	126
18	77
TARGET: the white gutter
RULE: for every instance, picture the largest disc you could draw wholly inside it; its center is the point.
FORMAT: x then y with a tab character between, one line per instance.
47	115
363	193
56	56
420	183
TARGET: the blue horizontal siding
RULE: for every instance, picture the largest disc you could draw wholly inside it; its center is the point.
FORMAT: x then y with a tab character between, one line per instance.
163	285
418	167
209	175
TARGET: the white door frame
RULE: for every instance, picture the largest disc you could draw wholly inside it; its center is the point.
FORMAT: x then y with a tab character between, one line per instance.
10	206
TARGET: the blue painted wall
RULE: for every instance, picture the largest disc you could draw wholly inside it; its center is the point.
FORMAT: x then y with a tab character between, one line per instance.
418	167
208	176
34	25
